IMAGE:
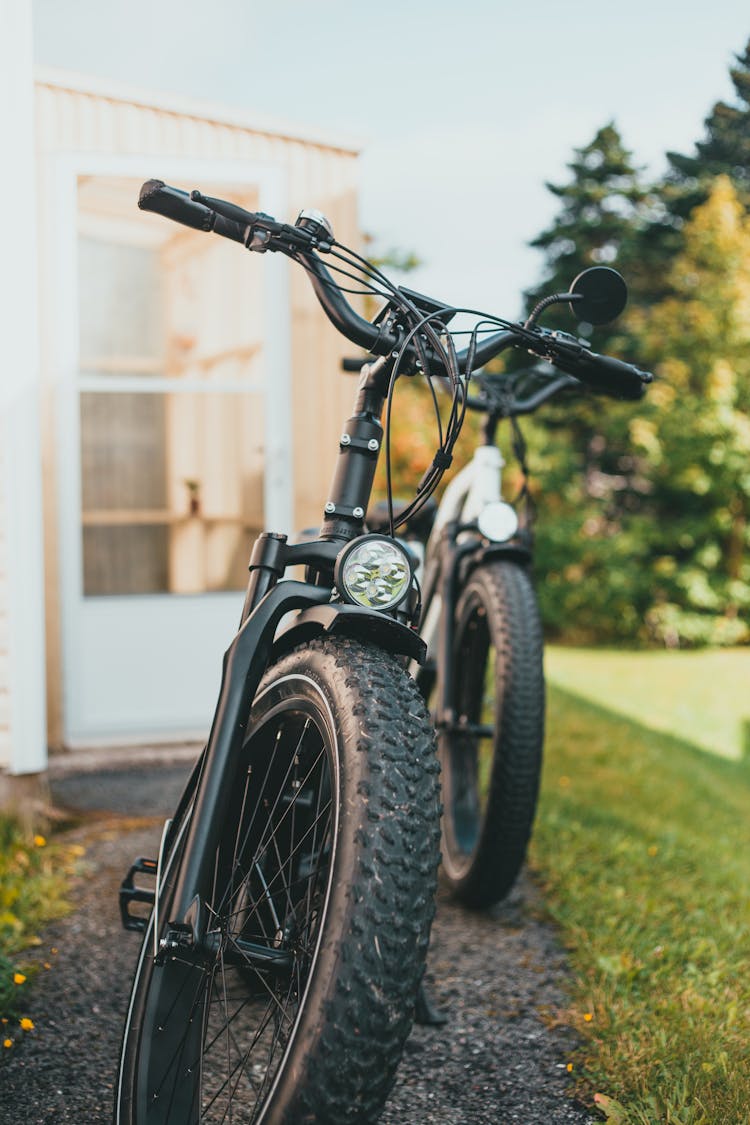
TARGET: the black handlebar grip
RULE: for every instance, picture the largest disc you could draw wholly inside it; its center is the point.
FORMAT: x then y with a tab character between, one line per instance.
174	204
607	375
229	229
182	208
622	380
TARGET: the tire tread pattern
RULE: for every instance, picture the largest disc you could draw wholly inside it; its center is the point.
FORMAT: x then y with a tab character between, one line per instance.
507	595
369	1011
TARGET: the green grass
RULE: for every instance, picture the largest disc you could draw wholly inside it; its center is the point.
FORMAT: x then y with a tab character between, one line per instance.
643	847
33	884
701	696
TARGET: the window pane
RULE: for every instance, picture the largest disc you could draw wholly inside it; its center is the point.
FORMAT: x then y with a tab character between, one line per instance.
125	560
121	301
171	491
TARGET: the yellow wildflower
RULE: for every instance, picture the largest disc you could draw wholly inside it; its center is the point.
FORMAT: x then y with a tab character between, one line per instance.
40	841
569	1067
18	978
588	1016
26	1024
7	1042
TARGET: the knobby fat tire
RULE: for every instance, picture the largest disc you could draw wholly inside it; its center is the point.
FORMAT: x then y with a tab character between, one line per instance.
359	1005
483	852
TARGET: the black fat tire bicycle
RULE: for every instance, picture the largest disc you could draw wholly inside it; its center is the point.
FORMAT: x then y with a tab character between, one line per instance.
318	864
294	888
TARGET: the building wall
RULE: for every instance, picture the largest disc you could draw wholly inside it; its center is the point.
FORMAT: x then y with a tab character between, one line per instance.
22	718
78	117
4	660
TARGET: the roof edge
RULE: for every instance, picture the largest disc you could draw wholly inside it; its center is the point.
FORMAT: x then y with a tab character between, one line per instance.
218	113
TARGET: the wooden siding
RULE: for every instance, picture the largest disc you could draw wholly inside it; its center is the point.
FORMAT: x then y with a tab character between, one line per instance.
96	122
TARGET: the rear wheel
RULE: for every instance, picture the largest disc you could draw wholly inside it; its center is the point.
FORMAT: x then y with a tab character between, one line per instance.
299	1005
492	755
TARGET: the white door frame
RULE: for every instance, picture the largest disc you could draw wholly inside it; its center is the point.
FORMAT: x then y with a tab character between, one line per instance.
270	181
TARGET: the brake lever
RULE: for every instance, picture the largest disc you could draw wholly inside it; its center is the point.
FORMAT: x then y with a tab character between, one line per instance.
561	343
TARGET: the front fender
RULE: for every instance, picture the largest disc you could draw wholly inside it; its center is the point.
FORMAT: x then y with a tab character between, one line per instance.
350	621
513	551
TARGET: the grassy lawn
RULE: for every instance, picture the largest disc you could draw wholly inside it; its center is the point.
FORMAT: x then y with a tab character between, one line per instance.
701	696
643	847
34	878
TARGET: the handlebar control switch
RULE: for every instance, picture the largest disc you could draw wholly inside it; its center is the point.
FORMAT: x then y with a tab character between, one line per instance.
315	223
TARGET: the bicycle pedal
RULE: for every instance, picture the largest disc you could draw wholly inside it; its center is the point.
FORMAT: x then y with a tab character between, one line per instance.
130	893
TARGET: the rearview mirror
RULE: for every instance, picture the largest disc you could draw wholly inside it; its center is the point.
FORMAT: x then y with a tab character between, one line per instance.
601	295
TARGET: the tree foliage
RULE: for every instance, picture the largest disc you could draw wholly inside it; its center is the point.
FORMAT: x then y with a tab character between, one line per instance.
653	546
698	442
644	509
602	205
725	150
586	482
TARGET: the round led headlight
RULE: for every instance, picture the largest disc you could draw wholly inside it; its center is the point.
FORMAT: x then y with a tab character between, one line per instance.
498	522
373	571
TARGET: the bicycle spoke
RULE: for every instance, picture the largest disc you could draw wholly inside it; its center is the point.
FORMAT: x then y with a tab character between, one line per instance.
286	811
273	1047
176	1059
228	1037
260	847
241	1058
282	787
236	1015
294	851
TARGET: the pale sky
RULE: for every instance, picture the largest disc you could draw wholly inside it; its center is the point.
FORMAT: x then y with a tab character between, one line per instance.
462	109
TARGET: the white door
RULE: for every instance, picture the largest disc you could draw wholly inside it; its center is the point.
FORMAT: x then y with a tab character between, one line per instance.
174	454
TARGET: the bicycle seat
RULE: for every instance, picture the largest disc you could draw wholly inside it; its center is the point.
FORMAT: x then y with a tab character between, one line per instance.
419	525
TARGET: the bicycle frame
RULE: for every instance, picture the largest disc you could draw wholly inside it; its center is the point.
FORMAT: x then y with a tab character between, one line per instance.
269	598
454	548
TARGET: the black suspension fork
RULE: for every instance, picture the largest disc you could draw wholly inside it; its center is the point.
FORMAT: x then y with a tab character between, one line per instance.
244	663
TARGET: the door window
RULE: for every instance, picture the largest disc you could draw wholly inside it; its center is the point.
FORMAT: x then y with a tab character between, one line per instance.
170	403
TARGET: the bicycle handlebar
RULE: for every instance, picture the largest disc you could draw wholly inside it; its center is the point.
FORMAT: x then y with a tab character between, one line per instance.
604	373
261	232
177	205
505	402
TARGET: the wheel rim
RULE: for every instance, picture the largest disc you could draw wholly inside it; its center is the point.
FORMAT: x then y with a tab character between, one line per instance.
468	755
218	1028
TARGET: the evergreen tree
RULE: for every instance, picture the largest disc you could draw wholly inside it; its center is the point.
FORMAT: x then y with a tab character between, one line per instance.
724	151
587	481
602	207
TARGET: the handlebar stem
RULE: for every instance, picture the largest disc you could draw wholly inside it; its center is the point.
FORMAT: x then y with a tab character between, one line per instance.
359	448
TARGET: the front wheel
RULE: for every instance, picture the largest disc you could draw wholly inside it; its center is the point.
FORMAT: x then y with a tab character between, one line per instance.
297	1008
491	753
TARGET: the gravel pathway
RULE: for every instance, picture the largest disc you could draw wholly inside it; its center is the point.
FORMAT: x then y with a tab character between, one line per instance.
495	1062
